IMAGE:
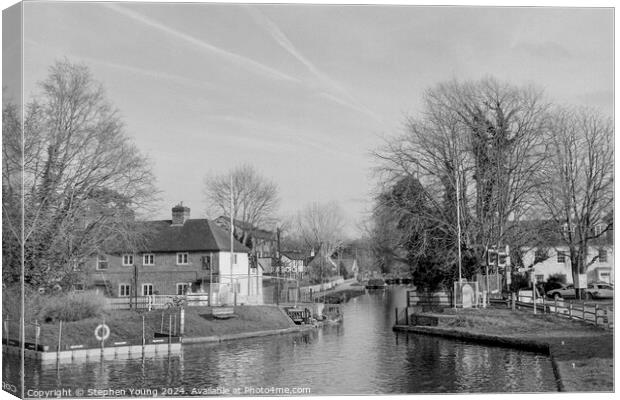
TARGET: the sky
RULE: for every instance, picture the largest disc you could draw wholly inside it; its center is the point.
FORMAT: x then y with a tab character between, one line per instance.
303	93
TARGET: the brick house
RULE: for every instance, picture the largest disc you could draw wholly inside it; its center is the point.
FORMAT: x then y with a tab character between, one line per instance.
180	254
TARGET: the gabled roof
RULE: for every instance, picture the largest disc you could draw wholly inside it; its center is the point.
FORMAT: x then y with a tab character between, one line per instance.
254	231
193	235
295	255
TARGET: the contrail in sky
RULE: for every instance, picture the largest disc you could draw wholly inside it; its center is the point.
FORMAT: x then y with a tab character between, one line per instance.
284	42
236	58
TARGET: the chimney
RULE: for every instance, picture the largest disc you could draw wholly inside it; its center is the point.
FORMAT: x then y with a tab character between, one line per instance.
180	214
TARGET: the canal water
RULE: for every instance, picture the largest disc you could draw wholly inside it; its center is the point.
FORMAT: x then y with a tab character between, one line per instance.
360	356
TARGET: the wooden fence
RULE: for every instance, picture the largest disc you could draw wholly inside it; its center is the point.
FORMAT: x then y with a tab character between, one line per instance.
589	313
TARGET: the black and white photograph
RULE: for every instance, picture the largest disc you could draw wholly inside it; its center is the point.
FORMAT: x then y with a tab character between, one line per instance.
225	199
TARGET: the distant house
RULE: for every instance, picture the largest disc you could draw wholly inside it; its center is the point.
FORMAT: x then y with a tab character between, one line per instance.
552	257
294	262
180	254
261	241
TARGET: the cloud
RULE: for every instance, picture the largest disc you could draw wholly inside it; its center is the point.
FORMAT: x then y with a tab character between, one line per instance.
245	62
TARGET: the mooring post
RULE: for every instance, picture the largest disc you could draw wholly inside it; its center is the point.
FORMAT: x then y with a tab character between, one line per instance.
102	336
406	315
59	338
396	316
37	334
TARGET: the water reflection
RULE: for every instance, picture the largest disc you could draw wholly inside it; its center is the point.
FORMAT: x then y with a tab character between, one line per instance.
360	356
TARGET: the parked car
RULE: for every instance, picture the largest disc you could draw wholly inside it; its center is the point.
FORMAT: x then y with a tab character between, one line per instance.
600	291
563	292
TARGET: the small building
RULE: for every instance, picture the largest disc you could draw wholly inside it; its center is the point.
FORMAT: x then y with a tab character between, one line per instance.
179	255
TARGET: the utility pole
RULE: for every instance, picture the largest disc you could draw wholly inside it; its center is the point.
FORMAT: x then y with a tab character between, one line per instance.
279	266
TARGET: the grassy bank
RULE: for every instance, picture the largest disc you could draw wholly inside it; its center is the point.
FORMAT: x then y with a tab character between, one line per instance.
127	325
582	353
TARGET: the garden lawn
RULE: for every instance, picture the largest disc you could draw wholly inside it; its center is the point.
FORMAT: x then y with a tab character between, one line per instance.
127	325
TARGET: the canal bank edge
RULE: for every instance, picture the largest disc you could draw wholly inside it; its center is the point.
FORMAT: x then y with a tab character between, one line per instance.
567	380
245	335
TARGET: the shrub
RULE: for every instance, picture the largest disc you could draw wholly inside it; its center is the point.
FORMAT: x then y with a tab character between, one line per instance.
72	307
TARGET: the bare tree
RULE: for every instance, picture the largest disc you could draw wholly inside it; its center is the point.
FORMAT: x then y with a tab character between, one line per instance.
576	180
255	198
83	179
322	227
484	135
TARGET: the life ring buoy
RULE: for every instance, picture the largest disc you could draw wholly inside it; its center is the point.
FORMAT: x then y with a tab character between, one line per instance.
102	335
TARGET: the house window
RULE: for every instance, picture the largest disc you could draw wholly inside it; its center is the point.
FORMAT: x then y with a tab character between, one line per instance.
127	260
102	262
602	255
182	259
147	289
207	261
599	229
124	290
181	288
148	259
561	258
539	278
